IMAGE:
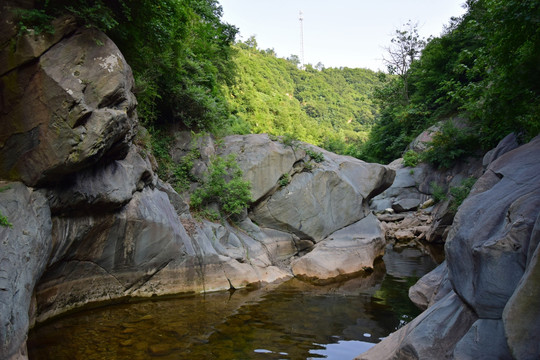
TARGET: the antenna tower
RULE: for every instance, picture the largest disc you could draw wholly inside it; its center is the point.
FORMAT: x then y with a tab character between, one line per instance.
301	18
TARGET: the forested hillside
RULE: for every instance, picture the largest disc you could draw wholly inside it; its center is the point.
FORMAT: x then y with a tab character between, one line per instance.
188	70
484	68
333	108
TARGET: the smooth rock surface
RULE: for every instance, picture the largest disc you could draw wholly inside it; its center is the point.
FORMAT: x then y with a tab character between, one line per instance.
345	252
332	196
488	244
262	160
24	249
431	287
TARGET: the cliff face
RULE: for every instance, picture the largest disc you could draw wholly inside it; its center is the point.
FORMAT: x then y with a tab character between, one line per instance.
92	222
484	300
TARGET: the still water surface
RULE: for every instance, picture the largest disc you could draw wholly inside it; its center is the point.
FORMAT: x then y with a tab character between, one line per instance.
293	320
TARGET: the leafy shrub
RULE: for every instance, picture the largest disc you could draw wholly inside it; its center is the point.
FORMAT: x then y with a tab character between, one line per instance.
34	19
223	185
289	139
3	219
460	193
437	191
315	156
308	166
449	145
284	180
410	158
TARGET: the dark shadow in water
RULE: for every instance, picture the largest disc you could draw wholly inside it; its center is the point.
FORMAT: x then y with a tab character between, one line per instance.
294	320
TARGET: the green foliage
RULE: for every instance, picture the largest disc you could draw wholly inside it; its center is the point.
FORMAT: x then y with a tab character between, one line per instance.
410	158
332	108
285	179
180	53
460	193
3	219
315	156
449	145
485	66
223	185
34	19
437	192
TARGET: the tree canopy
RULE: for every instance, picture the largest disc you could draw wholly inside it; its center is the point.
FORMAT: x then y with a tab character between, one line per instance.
485	67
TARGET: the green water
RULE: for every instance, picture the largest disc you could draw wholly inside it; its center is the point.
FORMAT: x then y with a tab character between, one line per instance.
293	320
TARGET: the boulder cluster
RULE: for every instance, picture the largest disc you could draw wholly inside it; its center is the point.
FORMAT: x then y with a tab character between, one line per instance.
90	221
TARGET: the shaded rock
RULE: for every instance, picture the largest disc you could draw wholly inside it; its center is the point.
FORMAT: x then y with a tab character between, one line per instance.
19	50
431	335
521	315
431	287
484	340
57	120
177	200
496	257
317	203
24	249
105	187
505	145
443	217
98	258
345	252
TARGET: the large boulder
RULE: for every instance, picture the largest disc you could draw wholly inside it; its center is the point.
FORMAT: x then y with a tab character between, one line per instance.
66	110
331	195
346	252
104	187
492	231
24	249
262	160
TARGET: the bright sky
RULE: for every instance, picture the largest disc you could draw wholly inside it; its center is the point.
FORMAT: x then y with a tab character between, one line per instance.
348	33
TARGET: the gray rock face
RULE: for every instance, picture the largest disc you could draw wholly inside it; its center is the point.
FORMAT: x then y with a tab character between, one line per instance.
59	119
522	311
262	160
484	340
116	253
431	287
331	196
105	187
496	257
24	250
492	261
345	252
432	335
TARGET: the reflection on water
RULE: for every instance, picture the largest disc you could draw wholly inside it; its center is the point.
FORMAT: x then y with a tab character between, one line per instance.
294	320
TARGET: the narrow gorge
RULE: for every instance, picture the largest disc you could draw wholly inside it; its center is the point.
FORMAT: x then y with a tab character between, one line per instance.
90	222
